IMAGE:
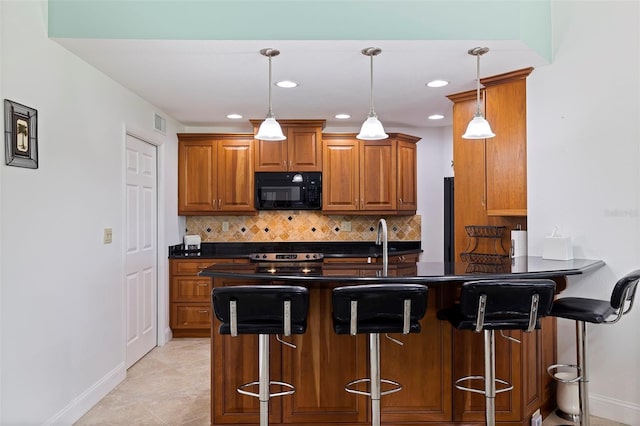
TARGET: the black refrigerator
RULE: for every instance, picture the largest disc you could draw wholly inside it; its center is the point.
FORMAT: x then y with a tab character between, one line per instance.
449	238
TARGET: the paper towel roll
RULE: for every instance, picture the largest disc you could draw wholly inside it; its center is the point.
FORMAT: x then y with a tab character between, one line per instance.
518	243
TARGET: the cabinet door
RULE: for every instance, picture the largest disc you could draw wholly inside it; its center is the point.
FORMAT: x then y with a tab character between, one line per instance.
468	163
340	186
304	149
407	177
506	153
196	177
423	367
321	365
377	175
271	156
235	175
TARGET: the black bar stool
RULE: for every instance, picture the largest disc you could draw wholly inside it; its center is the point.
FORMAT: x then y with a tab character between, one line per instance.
262	310
583	310
497	305
374	309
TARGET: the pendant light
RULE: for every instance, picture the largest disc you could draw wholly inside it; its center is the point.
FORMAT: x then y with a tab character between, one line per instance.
372	129
270	129
478	127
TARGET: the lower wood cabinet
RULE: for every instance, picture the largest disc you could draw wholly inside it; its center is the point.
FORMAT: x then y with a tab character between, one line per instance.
426	365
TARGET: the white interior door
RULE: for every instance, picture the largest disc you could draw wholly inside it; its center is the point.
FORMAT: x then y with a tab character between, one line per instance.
141	258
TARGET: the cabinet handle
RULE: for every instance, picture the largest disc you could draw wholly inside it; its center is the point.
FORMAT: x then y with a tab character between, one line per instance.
284	163
483	201
202	285
400	200
203	311
290	164
219	203
361	203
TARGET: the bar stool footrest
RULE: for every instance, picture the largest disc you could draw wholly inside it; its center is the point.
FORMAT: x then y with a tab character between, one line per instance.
508	385
292	389
554	367
349	387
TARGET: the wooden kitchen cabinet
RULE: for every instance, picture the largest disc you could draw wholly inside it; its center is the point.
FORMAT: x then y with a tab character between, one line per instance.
365	177
215	174
300	152
490	174
189	298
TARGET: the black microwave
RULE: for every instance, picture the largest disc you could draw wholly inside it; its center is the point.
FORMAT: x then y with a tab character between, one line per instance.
288	191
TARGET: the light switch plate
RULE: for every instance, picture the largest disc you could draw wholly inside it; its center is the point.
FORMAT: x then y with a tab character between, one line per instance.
107	236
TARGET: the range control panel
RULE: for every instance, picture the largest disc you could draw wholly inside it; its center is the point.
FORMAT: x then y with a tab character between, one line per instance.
285	257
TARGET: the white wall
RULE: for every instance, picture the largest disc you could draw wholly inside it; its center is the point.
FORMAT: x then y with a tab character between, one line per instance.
62	310
583	150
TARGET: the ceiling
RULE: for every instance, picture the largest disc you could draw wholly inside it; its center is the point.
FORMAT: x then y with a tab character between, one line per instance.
200	82
198	61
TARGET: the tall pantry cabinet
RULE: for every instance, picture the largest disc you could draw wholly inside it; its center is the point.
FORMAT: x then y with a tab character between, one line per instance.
491	174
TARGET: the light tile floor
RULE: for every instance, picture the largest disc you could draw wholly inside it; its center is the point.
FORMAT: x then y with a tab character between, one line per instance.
170	386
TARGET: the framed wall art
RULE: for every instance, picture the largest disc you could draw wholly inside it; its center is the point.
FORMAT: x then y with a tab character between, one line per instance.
20	135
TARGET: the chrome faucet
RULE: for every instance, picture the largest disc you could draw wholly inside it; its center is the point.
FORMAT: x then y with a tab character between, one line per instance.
382	238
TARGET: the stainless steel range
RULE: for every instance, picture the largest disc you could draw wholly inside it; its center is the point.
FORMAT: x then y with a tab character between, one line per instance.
288	263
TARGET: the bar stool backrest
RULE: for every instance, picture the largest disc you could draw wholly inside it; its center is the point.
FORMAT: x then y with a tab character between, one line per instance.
380	308
505	304
260	309
624	293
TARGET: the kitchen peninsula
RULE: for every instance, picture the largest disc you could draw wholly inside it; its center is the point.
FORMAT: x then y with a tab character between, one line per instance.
426	366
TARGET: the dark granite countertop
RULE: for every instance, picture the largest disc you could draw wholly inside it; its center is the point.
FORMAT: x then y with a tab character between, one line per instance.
328	249
427	272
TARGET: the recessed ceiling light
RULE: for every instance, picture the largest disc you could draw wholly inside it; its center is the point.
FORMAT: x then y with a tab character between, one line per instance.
437	83
436	117
342	116
234	116
286	84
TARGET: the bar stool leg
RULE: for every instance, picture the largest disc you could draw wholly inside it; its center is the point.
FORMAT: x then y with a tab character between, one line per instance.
263	360
490	377
374	356
581	344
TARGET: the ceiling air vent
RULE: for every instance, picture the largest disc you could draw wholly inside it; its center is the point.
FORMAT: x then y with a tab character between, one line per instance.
159	124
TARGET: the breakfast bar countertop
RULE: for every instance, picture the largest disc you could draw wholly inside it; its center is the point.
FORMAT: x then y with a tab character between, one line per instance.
328	249
426	272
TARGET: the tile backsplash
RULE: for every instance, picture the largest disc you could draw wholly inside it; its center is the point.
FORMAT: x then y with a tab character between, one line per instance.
295	225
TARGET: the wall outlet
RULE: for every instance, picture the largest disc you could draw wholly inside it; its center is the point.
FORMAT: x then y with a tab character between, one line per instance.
225	226
346	226
107	236
536	418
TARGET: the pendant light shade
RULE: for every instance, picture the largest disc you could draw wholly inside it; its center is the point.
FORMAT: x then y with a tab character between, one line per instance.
372	129
270	129
478	127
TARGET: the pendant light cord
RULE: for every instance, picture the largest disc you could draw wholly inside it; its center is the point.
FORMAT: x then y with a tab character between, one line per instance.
478	112
270	113
371	111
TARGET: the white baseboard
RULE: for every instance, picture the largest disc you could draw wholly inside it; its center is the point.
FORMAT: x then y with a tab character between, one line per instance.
166	337
614	409
90	397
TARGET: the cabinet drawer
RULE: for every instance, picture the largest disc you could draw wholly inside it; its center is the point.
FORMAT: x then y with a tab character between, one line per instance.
190	289
190	316
190	267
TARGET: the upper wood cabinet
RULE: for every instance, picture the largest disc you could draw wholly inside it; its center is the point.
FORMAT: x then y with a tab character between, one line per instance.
369	177
491	174
506	153
300	152
215	174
